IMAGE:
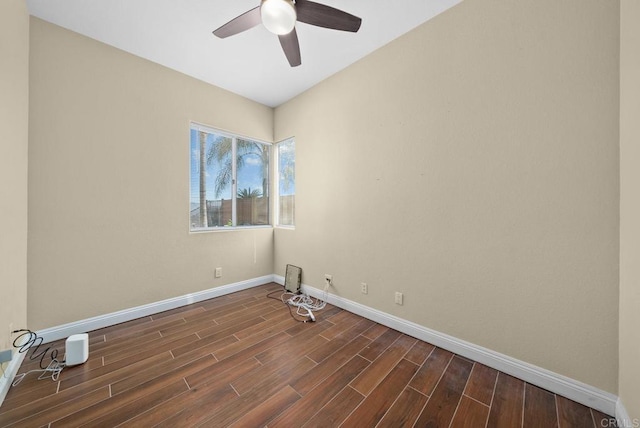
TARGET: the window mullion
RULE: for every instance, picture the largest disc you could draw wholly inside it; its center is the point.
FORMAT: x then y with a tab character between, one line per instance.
275	156
234	181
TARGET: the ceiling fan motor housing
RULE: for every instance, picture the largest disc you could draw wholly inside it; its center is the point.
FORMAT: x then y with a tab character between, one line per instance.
278	16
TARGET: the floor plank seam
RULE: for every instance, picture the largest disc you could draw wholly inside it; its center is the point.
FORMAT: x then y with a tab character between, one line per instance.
433	389
427	357
477	401
394	402
234	390
442	374
462	395
493	395
424	406
593	416
524	399
456	411
419	392
352	411
555	401
360	355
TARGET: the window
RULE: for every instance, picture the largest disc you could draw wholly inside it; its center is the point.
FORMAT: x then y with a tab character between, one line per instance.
229	183
286	186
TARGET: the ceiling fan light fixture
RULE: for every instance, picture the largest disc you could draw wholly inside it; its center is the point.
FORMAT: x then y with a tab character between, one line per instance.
278	16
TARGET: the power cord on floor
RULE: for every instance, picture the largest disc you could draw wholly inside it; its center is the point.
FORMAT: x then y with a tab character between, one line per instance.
54	367
305	304
281	299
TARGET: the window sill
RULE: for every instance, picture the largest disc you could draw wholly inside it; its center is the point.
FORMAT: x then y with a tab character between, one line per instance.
285	227
228	229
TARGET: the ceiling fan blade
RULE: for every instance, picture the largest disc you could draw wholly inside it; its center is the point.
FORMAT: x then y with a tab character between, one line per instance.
325	16
291	48
239	24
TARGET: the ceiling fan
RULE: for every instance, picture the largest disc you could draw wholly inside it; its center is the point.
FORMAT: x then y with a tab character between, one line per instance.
280	16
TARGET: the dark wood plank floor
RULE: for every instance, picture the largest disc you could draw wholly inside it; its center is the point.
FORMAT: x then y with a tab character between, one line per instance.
242	360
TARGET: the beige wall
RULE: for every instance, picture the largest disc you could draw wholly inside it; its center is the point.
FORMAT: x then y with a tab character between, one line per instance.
109	181
488	136
473	165
629	377
14	116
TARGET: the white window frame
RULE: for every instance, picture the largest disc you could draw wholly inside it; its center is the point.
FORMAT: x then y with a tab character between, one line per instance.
275	155
234	181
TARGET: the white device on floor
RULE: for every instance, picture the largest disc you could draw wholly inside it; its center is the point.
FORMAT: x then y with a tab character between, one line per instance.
76	349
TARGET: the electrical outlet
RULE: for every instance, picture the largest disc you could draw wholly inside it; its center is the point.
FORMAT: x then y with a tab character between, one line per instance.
364	289
398	298
5	356
328	278
218	272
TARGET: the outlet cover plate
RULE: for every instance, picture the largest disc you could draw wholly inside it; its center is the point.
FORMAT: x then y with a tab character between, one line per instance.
5	356
398	298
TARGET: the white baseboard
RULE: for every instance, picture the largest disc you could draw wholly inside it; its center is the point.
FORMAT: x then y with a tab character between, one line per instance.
89	324
582	393
623	418
546	379
10	374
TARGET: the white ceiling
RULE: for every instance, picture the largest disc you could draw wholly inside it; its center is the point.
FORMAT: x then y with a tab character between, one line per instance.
177	34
